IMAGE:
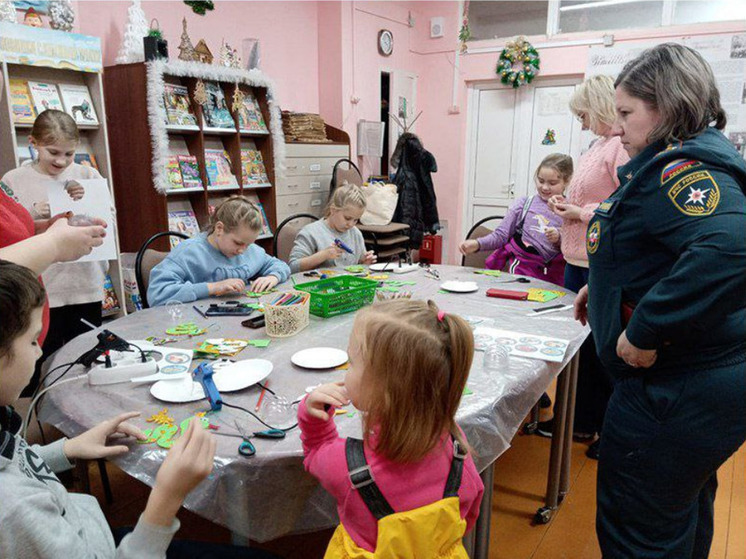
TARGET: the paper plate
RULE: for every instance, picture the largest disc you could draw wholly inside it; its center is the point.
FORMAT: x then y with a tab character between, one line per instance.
460	286
319	358
178	391
382	266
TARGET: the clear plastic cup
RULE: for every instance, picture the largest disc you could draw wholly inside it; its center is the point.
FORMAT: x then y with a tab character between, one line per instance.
80	220
496	358
175	309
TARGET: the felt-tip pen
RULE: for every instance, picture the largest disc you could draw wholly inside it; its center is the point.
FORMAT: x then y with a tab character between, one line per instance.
343	246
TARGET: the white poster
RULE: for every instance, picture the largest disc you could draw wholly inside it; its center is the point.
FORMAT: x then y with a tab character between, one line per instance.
96	202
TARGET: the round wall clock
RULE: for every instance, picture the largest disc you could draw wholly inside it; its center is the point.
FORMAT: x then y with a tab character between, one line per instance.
385	42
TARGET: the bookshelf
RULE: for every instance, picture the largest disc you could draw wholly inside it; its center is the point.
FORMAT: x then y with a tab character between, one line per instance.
139	132
24	55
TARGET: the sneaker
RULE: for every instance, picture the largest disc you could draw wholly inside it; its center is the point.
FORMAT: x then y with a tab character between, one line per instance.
545	401
592	451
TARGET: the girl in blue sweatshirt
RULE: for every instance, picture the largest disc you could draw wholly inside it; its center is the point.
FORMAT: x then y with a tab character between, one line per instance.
221	261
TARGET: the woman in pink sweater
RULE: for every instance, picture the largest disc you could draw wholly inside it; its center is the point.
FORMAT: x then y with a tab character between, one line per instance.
594	180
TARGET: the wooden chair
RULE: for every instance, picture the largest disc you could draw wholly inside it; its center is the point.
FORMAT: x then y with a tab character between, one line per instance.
339	175
147	259
477	259
282	243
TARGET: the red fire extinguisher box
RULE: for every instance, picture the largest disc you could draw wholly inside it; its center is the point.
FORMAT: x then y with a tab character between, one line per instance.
431	250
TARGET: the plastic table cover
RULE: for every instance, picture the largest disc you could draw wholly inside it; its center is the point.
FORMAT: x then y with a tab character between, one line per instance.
270	495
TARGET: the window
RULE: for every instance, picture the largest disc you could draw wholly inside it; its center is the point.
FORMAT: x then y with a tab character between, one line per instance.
601	15
494	20
702	11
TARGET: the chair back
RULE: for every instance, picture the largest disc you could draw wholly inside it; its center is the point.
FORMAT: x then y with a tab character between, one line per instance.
479	229
339	175
285	234
147	259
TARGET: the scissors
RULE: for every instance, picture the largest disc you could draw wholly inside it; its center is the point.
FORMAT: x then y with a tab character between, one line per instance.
517	280
432	272
247	448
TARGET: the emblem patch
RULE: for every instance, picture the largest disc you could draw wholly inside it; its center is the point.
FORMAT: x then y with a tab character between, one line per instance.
593	237
697	194
675	168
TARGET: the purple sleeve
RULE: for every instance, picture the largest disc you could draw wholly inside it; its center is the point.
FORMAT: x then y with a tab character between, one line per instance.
500	236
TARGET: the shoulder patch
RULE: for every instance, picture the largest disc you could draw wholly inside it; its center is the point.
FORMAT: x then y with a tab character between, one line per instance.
676	167
593	237
9	191
696	194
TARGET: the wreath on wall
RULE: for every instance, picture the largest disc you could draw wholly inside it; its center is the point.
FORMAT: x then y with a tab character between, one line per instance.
518	63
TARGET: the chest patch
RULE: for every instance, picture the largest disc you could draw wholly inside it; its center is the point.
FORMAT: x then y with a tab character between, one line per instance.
593	237
675	168
697	194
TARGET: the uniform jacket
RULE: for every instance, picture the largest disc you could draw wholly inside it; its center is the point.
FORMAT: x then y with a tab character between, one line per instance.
671	242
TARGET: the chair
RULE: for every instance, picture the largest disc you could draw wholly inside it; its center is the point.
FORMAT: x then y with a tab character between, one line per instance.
147	259
352	175
477	259
285	234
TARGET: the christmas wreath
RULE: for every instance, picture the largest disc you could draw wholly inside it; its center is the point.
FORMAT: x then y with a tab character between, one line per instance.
200	7
518	63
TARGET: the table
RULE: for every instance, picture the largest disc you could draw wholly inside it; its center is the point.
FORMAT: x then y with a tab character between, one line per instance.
270	495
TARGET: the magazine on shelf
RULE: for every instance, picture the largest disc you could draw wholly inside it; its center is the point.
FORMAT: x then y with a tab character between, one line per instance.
216	110
45	96
252	165
182	221
20	102
189	171
173	173
178	109
219	170
110	304
250	114
87	159
78	103
266	230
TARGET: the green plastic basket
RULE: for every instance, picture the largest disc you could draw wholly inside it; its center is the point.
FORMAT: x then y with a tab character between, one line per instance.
339	295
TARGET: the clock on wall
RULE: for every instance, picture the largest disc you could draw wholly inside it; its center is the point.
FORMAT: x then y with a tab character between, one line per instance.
385	42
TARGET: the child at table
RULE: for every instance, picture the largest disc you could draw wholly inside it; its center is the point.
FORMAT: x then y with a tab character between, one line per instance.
221	261
528	238
408	367
75	289
314	245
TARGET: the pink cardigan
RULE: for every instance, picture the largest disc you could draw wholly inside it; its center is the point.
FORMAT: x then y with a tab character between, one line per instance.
592	182
405	486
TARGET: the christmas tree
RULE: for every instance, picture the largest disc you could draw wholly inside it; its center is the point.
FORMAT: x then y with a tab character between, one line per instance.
132	49
61	15
186	48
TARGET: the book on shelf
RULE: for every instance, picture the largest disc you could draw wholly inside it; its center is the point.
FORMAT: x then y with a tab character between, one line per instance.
24	154
173	173
78	103
189	171
45	96
20	102
216	110
252	166
86	159
250	115
182	221
219	172
178	109
110	304
266	230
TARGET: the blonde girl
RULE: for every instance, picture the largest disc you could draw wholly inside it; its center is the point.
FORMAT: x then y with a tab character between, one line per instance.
221	261
409	362
315	244
75	289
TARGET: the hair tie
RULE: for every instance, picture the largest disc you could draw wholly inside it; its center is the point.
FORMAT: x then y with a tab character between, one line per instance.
441	315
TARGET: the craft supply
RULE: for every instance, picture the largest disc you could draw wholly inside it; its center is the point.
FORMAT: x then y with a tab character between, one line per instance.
161	418
543	295
551	309
516	280
319	358
257	294
460	286
203	375
287	314
493	273
343	246
507	294
156	341
338	295
522	345
186	329
261	397
221	346
259	343
467	391
355	269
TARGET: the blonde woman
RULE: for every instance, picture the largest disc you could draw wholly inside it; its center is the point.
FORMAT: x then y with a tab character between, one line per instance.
333	240
594	180
221	261
666	300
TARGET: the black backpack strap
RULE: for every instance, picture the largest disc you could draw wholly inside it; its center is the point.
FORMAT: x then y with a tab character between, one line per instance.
457	469
362	480
524	211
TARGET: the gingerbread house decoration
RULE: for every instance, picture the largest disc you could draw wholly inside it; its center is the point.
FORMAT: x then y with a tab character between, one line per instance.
202	53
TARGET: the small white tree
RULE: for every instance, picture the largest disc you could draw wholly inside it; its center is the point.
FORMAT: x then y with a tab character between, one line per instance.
61	15
132	49
7	11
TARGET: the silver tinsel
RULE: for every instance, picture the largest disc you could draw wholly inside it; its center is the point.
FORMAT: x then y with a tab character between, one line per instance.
7	11
61	15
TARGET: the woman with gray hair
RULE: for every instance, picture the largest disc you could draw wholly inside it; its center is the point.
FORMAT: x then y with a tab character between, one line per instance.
666	299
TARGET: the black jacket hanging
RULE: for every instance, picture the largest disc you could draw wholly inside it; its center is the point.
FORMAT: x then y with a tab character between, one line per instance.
417	205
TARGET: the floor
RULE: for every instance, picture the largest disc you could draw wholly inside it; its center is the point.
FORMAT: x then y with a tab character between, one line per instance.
520	482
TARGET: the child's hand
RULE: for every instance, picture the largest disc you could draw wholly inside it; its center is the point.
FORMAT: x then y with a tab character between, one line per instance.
264	283
552	234
369	258
75	190
332	252
554	200
567	211
232	285
467	247
332	394
92	443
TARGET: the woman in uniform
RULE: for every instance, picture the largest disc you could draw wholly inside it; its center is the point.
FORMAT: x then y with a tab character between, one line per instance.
666	300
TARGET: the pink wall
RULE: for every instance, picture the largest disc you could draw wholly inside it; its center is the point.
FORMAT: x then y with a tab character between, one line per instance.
288	34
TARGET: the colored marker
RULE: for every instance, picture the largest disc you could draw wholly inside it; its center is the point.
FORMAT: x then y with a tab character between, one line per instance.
343	246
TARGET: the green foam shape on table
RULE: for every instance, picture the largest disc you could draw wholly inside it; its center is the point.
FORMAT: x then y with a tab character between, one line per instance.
443	292
493	273
355	269
259	343
468	391
389	289
257	294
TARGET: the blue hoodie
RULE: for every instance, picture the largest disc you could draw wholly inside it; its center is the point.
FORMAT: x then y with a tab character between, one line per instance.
194	263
